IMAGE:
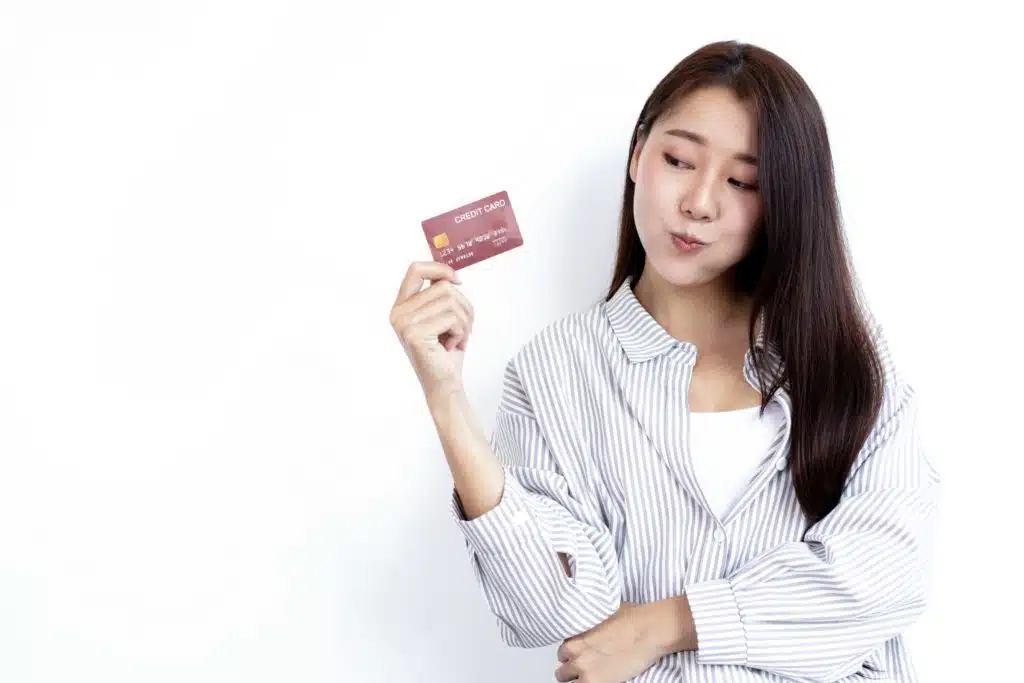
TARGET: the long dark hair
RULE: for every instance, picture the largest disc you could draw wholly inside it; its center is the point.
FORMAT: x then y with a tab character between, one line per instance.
798	271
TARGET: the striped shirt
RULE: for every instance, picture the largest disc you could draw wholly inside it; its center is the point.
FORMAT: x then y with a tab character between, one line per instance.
591	430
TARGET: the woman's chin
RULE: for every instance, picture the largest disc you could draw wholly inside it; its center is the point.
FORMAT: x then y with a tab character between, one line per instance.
680	274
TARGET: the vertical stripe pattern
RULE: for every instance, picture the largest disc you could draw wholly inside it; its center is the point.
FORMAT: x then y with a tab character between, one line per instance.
591	430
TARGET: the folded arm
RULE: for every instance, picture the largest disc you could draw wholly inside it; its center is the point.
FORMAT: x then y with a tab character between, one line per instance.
816	609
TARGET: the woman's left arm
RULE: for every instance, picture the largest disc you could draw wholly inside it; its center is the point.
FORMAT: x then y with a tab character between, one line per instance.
817	608
813	610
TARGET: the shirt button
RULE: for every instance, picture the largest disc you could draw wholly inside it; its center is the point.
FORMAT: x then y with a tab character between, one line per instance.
719	535
520	517
780	464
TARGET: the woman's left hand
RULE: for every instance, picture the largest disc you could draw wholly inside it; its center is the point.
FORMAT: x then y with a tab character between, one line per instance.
620	648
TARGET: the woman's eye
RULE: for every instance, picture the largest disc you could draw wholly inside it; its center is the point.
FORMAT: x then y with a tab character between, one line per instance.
677	163
742	185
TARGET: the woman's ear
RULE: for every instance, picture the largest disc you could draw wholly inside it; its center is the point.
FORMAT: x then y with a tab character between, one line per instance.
634	160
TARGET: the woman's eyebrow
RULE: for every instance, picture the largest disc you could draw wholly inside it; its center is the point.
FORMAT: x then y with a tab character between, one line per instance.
701	140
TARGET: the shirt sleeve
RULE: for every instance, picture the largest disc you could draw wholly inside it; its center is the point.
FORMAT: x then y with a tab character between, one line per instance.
514	546
817	609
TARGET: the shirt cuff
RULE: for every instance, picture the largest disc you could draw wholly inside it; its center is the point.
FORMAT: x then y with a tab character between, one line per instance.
721	638
502	529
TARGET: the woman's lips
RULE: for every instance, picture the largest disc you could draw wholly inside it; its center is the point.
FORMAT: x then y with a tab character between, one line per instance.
688	244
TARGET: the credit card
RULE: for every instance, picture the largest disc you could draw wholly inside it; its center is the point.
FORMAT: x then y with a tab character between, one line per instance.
473	232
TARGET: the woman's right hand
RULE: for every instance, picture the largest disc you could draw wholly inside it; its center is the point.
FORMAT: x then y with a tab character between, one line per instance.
433	324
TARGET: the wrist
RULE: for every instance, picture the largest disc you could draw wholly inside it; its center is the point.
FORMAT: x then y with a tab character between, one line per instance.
672	627
445	399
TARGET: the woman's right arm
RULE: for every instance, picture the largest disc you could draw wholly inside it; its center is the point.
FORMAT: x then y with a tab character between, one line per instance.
542	555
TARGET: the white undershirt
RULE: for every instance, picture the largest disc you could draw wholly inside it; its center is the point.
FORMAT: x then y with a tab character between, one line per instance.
727	447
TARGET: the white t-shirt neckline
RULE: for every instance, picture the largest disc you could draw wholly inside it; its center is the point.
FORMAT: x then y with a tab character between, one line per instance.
726	449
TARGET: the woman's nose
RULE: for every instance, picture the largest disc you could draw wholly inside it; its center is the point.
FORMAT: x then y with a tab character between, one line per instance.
698	202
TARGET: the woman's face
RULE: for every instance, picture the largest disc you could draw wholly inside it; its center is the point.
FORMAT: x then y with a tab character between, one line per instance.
696	178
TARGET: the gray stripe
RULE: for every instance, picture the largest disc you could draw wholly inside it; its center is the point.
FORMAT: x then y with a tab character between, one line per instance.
592	432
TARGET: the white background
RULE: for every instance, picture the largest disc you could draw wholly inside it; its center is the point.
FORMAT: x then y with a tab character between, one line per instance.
215	463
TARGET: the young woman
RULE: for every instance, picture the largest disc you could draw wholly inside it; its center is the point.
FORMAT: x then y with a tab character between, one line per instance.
714	473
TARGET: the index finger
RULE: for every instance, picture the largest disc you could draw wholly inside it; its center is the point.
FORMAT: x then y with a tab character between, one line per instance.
421	271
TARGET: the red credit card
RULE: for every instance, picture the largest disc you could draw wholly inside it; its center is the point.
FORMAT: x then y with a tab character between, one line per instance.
474	232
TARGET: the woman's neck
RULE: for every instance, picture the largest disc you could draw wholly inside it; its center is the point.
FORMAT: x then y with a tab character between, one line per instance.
711	315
